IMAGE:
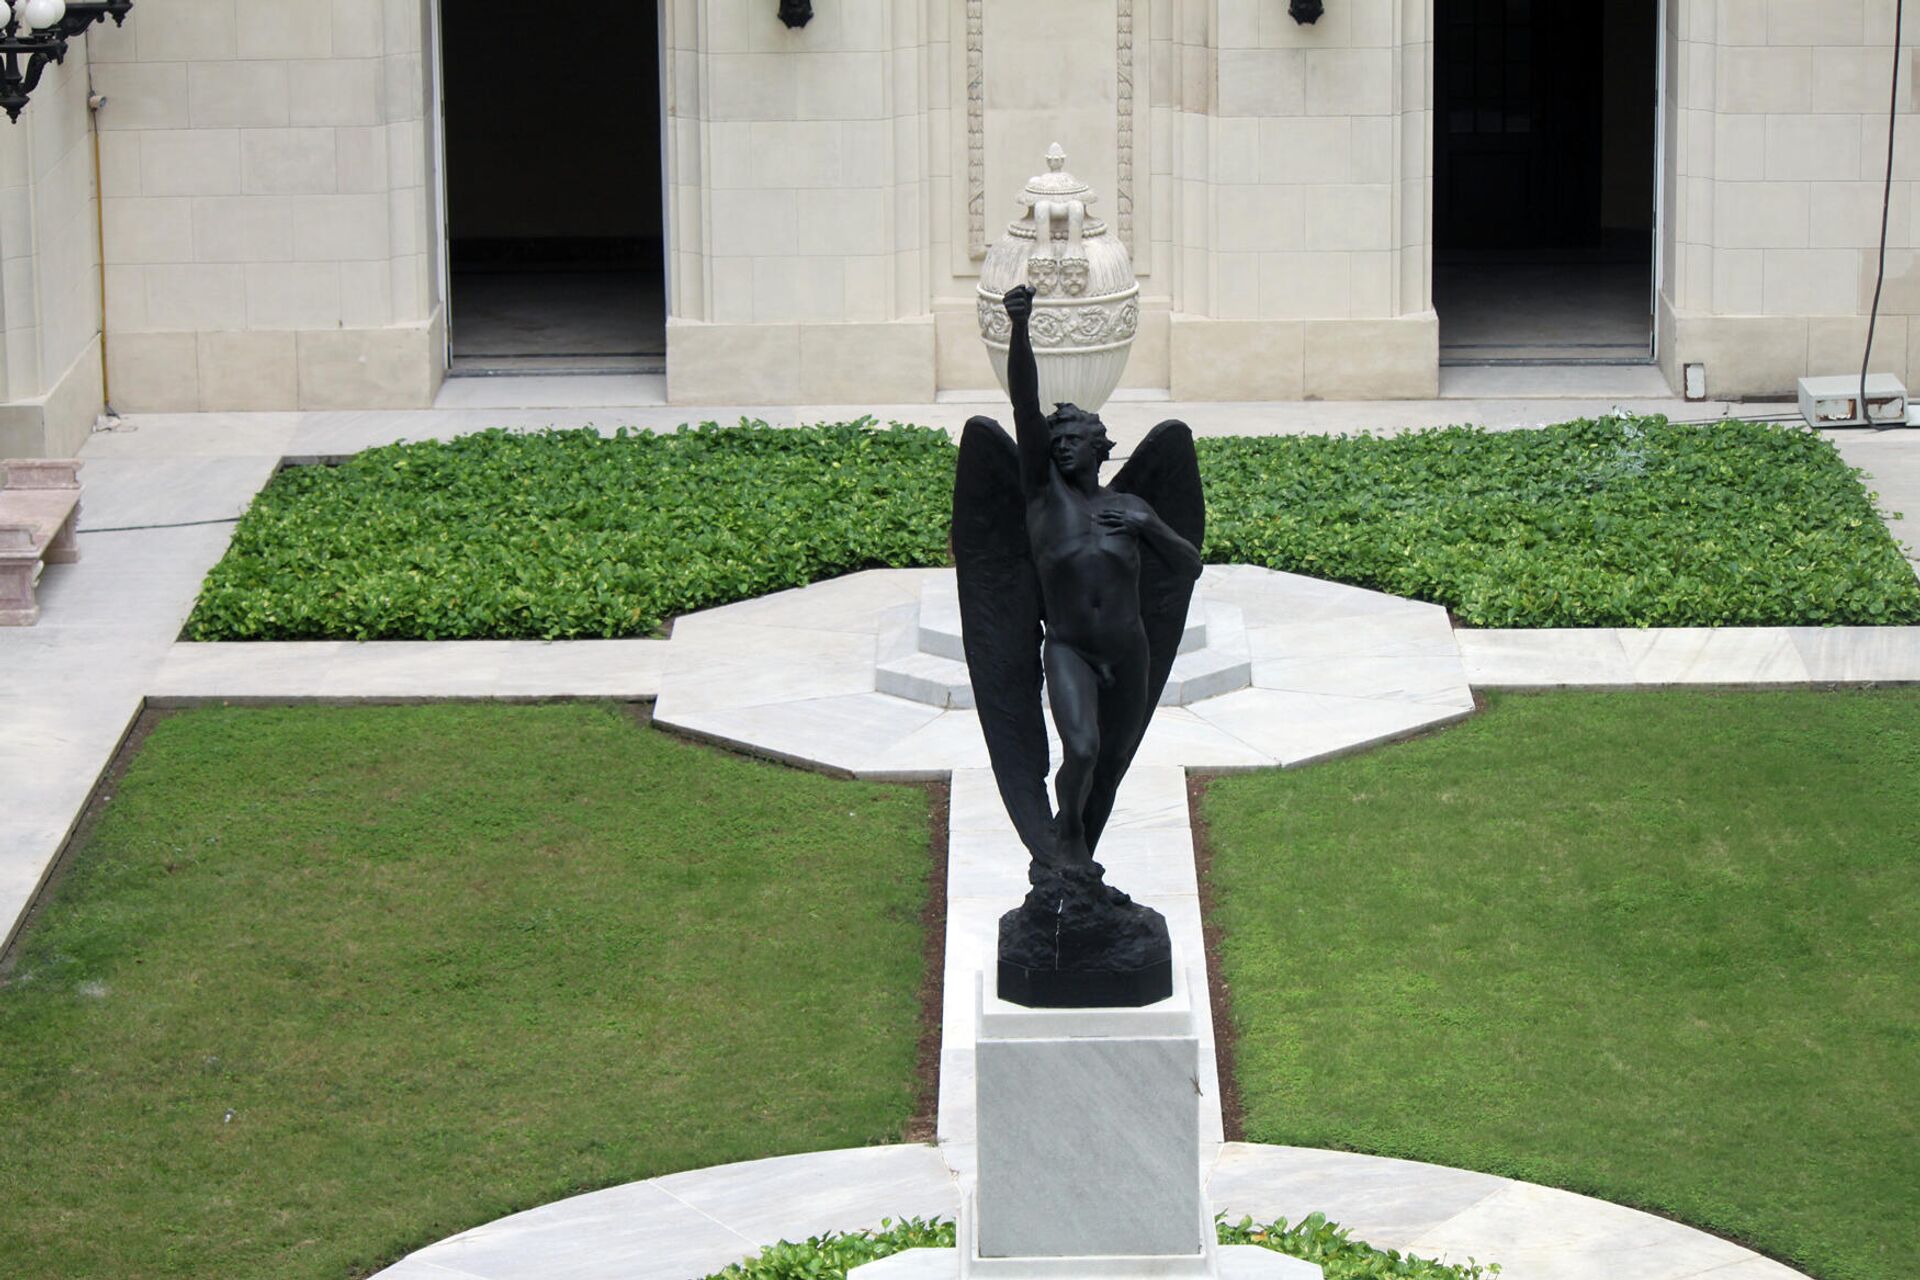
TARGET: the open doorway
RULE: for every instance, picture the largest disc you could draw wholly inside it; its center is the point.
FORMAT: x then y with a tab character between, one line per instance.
1544	161
553	188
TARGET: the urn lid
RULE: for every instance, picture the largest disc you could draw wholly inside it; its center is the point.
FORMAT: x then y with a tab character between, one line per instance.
1057	189
1056	183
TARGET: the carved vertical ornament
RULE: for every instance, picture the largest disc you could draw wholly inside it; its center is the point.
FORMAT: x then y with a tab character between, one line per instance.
1123	123
977	126
976	132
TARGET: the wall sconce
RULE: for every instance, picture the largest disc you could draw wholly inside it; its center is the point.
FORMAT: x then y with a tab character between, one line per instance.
1306	12
796	13
38	31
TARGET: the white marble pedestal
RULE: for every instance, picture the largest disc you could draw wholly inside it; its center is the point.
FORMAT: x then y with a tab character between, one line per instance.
1089	1133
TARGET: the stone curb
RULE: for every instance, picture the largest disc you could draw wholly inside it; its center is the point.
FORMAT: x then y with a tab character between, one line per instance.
1678	657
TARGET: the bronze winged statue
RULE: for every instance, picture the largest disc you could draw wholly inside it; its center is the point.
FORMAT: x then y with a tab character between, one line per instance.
1078	592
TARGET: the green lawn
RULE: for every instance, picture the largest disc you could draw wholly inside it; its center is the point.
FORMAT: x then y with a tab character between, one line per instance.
1663	948
326	985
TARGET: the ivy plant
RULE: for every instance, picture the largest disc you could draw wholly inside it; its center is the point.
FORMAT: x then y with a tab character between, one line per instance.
1617	521
566	534
1614	522
1313	1238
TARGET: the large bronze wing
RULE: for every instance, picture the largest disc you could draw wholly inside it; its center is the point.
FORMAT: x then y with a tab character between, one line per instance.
1166	473
1000	616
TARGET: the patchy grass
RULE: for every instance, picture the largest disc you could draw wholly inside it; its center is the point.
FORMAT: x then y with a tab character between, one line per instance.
326	985
1660	948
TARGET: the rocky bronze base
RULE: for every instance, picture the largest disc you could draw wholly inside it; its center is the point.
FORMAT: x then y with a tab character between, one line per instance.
1076	943
1085	988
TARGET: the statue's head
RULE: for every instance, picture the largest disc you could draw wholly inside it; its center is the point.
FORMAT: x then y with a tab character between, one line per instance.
1078	440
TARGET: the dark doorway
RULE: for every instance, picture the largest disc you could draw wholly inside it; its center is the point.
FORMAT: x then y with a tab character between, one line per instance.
1543	208
553	173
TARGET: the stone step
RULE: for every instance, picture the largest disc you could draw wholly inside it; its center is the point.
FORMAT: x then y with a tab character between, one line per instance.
926	677
1222	665
936	674
940	621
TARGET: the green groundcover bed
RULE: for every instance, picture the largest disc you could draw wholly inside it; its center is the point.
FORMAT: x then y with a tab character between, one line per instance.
1617	522
326	985
1661	948
1313	1238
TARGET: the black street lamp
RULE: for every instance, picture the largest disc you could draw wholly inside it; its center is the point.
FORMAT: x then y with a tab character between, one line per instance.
1306	12
796	13
37	32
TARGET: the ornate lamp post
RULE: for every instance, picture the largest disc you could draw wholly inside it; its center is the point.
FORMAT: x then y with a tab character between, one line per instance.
35	32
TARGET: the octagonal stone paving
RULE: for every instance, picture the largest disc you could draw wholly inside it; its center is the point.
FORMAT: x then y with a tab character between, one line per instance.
921	656
797	676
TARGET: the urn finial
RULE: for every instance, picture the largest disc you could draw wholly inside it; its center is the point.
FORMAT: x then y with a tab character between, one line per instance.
1087	303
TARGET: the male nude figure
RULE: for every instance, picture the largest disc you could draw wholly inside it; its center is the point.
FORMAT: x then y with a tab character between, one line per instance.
1085	540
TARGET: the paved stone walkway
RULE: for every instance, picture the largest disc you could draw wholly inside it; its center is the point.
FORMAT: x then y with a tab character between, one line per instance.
1676	656
692	1224
1332	669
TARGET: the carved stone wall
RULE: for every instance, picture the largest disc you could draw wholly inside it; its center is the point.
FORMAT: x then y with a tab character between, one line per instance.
1070	72
1014	77
1068	43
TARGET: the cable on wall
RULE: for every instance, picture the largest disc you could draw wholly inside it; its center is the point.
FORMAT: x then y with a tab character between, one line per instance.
176	524
95	101
1886	212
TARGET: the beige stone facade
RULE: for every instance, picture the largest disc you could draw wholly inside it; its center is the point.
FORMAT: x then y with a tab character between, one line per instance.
265	176
267	230
49	271
1776	153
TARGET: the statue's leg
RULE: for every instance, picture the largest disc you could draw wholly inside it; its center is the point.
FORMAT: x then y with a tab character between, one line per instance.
1073	690
1124	713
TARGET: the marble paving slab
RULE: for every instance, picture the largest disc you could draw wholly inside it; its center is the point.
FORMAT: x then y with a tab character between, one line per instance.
688	1225
326	670
1676	657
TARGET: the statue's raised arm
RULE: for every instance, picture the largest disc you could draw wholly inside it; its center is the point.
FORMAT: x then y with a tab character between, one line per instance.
1023	388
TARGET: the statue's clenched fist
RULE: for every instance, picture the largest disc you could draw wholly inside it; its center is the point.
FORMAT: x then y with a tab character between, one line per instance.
1019	303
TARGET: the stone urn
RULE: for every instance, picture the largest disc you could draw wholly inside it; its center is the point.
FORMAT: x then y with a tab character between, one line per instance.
1086	307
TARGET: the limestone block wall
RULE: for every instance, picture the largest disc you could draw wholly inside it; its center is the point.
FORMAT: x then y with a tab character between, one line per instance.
1777	147
49	269
797	174
1303	218
266	189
